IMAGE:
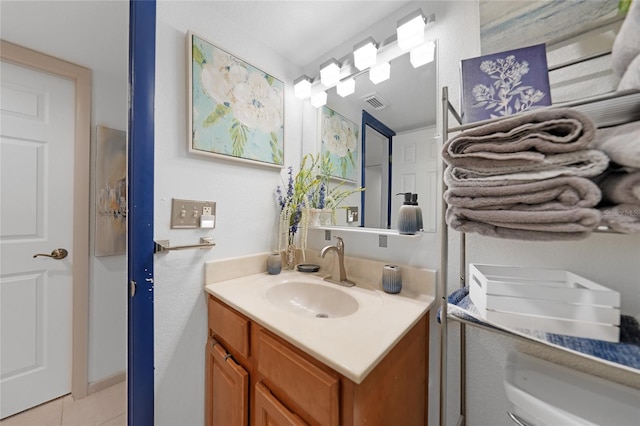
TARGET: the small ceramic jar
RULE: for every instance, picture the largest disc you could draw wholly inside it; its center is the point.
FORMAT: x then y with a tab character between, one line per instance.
274	263
391	279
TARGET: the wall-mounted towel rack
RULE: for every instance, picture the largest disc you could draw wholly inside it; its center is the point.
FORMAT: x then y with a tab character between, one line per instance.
164	245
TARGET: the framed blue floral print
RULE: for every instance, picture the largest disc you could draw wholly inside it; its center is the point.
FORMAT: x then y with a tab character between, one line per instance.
340	141
236	111
504	83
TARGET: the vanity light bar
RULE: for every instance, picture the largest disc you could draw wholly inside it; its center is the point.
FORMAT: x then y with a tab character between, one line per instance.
362	62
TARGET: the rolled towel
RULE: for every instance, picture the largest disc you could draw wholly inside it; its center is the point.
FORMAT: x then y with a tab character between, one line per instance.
623	218
572	224
584	163
520	140
560	193
620	143
621	188
626	46
631	77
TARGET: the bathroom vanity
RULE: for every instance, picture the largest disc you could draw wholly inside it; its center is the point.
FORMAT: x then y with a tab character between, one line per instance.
288	349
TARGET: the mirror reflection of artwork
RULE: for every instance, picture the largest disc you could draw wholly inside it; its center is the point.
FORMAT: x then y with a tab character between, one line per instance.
504	83
111	192
236	110
339	139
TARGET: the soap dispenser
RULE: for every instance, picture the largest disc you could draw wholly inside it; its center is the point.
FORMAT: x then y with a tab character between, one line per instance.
407	216
414	203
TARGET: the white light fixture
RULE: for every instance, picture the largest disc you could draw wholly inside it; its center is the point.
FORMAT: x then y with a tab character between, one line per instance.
365	53
330	72
319	99
422	54
380	72
302	87
346	87
410	30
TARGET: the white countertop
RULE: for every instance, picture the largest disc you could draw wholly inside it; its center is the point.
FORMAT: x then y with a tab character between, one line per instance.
352	345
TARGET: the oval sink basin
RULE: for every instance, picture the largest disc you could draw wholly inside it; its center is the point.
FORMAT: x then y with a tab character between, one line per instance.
312	300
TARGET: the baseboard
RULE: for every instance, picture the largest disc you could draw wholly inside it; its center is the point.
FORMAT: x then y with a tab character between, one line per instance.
107	382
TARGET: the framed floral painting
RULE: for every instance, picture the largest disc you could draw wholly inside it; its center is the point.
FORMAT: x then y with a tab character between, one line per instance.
340	141
236	111
505	83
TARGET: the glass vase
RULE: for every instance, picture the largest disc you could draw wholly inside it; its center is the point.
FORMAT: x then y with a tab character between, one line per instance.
290	257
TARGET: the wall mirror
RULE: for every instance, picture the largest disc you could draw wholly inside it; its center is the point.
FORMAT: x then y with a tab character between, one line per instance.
397	119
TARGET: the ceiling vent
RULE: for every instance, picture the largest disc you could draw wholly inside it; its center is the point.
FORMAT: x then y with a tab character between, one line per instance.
375	100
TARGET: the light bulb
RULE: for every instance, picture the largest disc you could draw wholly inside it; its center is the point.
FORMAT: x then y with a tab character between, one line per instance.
302	87
319	99
365	53
380	73
410	30
422	54
346	87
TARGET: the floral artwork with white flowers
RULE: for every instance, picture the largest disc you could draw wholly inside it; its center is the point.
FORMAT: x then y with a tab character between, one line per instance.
237	110
340	138
505	83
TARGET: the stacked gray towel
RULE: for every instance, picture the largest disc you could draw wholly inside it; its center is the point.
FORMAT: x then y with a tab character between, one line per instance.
620	184
525	177
625	55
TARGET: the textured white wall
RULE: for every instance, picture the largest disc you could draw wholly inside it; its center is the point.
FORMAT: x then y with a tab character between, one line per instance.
246	213
95	35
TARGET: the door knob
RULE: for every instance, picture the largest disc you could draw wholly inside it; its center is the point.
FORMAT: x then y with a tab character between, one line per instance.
58	254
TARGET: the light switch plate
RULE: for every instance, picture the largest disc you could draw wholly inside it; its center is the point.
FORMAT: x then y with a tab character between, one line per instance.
185	214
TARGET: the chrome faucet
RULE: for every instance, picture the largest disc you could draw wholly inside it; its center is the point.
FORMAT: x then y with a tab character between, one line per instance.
339	275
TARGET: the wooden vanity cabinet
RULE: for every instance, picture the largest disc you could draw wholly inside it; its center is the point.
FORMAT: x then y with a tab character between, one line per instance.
227	384
257	378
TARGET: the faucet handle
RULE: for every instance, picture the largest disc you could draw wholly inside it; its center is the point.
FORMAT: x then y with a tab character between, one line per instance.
340	242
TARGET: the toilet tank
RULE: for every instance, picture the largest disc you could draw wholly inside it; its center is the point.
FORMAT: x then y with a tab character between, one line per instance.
545	394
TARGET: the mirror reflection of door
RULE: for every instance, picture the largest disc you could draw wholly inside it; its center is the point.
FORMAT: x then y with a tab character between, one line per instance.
376	173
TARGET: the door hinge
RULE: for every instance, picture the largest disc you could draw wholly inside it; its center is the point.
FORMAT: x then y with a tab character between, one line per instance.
132	288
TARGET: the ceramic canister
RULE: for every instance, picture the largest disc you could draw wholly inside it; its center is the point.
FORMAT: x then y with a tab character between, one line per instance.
274	263
391	279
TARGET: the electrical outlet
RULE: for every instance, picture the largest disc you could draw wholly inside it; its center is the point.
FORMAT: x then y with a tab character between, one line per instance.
382	241
327	235
352	214
186	214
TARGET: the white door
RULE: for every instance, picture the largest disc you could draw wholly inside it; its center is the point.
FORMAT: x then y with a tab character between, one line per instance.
415	165
36	207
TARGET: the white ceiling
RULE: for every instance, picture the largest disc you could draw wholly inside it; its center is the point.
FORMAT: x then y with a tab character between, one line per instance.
301	30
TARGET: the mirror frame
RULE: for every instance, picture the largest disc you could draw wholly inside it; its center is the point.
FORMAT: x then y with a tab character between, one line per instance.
378	126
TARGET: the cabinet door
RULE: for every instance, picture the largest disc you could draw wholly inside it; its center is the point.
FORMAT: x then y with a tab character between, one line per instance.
227	389
270	412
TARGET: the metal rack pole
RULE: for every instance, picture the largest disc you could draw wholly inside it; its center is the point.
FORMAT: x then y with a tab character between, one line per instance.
442	281
463	337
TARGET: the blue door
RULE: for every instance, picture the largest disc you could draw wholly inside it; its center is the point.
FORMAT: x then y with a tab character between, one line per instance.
140	363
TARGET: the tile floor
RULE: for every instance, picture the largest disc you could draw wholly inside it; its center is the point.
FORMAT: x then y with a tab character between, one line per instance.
104	408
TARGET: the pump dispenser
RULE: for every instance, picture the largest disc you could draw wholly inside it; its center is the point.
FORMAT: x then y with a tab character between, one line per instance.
407	216
414	203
